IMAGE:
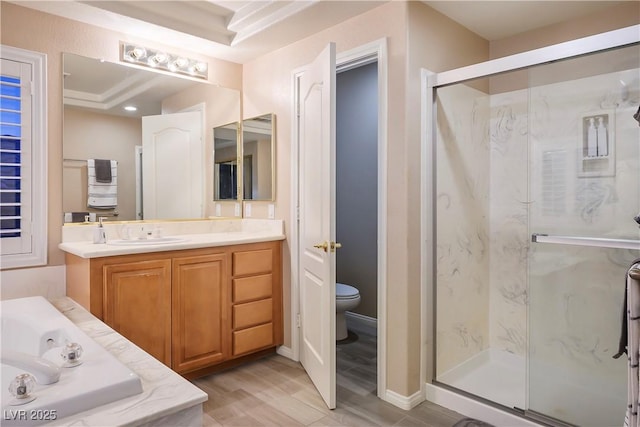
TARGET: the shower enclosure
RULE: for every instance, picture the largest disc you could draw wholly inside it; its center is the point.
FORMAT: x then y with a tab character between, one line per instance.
536	184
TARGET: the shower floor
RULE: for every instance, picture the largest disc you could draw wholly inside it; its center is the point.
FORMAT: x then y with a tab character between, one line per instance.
500	377
495	375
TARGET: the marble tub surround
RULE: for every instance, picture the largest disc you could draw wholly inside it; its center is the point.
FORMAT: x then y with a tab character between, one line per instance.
166	399
78	239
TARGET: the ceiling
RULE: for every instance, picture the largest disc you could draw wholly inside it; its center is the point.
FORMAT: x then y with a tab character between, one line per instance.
239	31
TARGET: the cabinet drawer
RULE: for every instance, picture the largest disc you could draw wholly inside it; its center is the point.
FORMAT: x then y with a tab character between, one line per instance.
251	339
252	288
252	262
252	313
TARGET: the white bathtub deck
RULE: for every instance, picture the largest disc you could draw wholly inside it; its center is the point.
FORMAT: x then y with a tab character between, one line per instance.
167	398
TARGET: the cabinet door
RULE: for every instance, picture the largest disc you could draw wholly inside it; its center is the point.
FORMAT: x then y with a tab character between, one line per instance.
137	304
200	300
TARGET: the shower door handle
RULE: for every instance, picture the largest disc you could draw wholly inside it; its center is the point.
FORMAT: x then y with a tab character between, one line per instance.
586	241
634	272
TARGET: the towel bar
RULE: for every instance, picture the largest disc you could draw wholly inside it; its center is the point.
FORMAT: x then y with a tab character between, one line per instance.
586	241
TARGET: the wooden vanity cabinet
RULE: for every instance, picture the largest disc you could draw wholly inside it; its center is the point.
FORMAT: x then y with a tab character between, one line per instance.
257	302
193	309
137	304
199	311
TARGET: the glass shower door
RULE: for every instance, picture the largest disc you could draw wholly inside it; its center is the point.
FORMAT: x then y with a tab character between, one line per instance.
584	191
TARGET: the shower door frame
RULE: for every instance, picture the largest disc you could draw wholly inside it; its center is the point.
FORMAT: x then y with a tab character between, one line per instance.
434	390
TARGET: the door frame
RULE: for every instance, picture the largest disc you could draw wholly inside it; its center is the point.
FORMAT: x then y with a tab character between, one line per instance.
362	55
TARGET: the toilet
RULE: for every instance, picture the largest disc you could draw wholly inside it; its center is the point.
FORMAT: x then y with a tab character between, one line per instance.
347	298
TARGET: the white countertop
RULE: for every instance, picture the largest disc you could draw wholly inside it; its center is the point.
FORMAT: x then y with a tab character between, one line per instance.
193	235
191	241
164	392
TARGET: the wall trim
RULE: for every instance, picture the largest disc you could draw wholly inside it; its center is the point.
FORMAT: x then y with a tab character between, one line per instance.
286	352
404	402
360	321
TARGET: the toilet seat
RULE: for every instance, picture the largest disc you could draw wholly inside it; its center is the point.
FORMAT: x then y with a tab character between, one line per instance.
346	292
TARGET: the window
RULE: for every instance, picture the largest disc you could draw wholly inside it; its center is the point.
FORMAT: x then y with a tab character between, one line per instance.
23	173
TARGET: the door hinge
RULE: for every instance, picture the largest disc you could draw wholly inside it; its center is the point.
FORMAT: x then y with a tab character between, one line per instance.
298	321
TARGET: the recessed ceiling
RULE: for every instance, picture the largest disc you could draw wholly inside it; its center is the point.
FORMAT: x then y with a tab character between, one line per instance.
239	31
107	88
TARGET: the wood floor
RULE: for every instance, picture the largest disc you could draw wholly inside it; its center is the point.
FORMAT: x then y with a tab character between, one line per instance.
276	391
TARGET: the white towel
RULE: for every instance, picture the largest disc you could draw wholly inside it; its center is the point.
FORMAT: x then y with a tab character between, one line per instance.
102	195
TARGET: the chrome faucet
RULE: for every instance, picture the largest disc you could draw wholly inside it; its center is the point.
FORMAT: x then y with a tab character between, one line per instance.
44	371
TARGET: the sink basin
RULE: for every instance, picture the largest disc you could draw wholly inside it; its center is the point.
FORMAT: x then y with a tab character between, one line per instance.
149	241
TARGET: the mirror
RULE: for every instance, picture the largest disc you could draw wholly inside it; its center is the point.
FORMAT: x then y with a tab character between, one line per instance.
258	157
96	126
225	159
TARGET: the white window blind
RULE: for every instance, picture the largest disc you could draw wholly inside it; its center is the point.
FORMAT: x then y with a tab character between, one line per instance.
22	159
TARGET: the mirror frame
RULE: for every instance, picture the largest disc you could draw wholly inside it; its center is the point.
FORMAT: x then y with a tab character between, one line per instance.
241	194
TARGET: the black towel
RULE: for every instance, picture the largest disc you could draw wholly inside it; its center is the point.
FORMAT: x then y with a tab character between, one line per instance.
637	116
622	345
103	170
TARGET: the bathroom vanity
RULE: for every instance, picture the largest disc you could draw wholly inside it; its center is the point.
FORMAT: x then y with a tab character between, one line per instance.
202	303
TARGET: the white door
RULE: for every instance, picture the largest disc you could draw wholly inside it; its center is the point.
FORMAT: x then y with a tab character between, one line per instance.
317	223
172	164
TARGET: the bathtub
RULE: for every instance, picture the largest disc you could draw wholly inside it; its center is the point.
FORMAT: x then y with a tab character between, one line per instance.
32	326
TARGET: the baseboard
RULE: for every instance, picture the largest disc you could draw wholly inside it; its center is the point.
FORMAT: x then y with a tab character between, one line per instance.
403	402
286	352
362	322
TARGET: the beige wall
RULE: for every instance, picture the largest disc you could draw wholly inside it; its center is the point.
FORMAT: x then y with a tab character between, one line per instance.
90	135
619	16
267	87
40	32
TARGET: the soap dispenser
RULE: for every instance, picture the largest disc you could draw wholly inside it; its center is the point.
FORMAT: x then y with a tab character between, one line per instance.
99	233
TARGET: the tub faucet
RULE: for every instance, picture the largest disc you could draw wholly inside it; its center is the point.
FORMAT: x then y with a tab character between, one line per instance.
44	371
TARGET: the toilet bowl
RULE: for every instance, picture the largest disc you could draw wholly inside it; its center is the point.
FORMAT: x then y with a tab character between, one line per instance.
347	298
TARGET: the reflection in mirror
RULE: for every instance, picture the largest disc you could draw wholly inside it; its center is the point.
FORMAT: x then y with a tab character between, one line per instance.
97	126
258	172
225	168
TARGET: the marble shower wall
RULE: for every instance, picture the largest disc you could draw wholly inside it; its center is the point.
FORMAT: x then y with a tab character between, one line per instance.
576	293
462	225
487	208
509	207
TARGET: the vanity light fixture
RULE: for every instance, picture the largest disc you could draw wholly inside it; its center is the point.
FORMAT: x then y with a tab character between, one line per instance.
130	108
161	60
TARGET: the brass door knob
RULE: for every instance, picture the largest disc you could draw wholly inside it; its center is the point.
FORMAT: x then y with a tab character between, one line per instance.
335	245
324	246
